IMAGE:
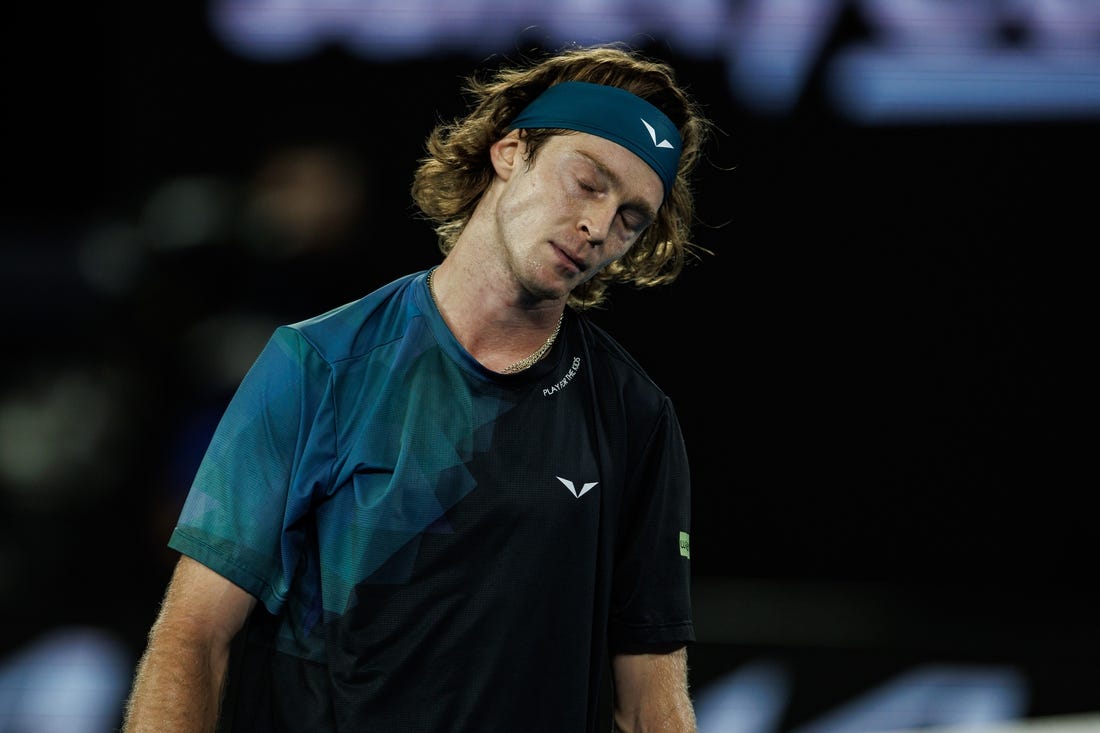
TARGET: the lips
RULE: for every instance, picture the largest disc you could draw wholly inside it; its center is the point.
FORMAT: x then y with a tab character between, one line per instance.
577	262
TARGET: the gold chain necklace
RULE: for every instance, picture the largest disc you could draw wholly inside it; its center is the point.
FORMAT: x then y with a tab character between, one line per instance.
523	363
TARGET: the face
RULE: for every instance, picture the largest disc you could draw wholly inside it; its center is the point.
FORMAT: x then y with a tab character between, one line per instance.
580	205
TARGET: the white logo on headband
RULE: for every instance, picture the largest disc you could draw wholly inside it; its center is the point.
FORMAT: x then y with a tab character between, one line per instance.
653	135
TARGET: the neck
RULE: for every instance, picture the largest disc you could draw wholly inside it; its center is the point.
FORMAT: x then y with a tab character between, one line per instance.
501	335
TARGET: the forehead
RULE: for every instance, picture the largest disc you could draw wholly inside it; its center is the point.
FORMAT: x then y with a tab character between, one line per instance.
630	173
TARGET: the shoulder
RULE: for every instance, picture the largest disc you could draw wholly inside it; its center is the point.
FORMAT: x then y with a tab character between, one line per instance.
606	346
354	329
612	361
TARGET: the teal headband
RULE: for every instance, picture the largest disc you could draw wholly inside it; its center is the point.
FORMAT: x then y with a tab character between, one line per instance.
611	113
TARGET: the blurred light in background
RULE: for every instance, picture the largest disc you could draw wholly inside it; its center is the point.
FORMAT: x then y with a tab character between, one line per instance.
387	30
754	698
919	61
70	680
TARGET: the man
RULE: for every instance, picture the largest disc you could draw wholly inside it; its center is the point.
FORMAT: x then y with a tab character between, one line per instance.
455	504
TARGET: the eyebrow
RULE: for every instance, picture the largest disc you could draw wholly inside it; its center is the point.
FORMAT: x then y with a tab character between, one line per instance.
637	204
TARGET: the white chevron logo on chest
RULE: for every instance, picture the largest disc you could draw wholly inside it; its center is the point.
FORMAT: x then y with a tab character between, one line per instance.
574	490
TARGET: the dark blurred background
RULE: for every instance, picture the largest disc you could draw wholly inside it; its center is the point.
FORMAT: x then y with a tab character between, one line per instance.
879	363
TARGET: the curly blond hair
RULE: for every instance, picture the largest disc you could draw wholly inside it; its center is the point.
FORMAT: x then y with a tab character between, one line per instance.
456	169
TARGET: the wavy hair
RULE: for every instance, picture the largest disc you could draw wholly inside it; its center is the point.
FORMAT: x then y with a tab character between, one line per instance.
456	169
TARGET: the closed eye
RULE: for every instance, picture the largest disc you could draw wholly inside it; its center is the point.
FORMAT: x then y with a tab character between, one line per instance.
634	221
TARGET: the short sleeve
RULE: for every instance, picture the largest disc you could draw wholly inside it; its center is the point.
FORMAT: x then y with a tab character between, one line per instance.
269	455
651	595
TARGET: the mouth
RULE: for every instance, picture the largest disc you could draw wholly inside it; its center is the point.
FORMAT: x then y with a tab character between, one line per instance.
571	262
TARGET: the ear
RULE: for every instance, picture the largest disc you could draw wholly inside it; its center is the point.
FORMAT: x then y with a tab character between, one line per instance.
507	154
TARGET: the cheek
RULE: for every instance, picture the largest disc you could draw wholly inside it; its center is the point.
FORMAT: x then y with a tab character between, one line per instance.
521	217
535	200
625	238
614	249
531	190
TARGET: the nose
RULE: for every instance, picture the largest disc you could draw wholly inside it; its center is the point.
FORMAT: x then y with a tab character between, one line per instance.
596	223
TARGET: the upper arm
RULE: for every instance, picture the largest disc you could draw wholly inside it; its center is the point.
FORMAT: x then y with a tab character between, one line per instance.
651	692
